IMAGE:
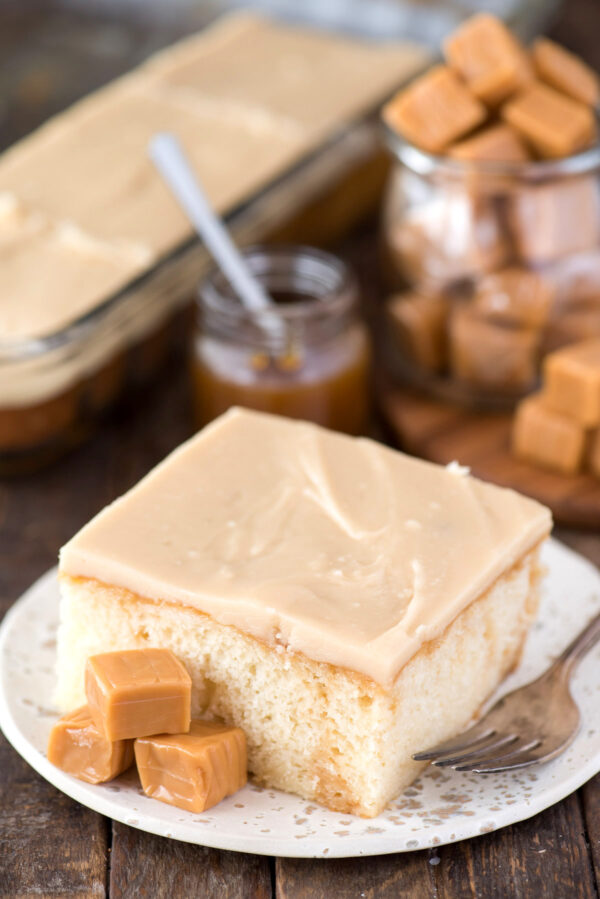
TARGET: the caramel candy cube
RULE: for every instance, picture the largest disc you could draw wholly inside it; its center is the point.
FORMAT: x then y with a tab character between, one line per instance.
554	220
435	110
79	747
489	355
419	323
547	438
575	279
497	143
553	124
564	71
514	296
572	379
138	692
193	771
489	58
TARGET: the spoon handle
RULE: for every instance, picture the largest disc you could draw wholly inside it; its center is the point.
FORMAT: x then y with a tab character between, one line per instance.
170	159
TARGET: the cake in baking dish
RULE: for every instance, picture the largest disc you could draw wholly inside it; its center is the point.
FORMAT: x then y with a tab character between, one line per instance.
345	604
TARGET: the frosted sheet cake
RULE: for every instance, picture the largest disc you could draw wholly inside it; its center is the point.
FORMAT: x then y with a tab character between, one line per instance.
248	98
345	604
259	107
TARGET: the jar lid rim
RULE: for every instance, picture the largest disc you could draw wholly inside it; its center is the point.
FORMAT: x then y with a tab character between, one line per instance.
340	297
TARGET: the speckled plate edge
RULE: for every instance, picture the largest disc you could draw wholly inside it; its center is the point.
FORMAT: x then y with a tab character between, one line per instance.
441	807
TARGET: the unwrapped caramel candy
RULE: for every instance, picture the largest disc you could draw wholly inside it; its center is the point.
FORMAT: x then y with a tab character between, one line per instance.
566	72
572	379
553	124
419	324
486	354
196	770
434	110
496	143
79	747
575	279
547	438
489	58
138	692
553	220
514	296
448	238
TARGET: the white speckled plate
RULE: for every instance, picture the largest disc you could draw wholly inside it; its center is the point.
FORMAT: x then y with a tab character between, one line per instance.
441	807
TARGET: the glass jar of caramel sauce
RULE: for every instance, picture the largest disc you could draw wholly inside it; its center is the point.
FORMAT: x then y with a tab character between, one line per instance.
306	358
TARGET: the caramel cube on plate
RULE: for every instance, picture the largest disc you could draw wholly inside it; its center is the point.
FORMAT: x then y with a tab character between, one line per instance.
553	220
552	123
489	58
572	379
514	296
547	438
419	323
434	110
138	692
496	143
79	747
565	71
486	354
196	770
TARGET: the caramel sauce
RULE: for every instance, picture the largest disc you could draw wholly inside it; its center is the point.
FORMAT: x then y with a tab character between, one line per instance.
323	381
327	385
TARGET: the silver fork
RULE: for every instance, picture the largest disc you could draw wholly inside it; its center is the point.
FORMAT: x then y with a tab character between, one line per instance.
532	724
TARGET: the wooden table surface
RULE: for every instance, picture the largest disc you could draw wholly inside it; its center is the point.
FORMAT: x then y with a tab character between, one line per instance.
50	845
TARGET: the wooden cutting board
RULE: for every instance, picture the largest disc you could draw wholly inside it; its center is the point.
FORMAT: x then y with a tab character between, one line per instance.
441	432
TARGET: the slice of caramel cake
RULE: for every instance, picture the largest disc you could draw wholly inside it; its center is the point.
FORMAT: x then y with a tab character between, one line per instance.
343	603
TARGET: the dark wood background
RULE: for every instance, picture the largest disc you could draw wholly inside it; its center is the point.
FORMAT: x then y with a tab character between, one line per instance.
50	845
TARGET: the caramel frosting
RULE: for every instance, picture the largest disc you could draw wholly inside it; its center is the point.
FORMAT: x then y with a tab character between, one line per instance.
336	547
57	271
247	98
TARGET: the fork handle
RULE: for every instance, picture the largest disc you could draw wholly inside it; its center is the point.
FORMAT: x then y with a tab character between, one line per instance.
584	641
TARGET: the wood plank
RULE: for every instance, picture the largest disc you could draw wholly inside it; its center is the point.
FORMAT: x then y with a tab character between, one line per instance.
544	856
441	432
50	845
408	875
590	798
144	865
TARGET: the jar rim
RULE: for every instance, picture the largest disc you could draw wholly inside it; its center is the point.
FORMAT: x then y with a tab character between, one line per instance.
339	297
424	163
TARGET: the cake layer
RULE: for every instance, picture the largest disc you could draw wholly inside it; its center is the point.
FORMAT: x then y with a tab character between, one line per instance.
325	733
337	548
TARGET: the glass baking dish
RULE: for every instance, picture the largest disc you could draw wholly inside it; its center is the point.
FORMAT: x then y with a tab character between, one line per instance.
54	389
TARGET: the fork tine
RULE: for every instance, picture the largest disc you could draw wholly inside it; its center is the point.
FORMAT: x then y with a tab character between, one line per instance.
468	738
486	751
503	760
528	755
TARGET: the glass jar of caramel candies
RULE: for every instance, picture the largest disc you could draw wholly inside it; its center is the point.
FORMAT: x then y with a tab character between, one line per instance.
306	358
491	266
